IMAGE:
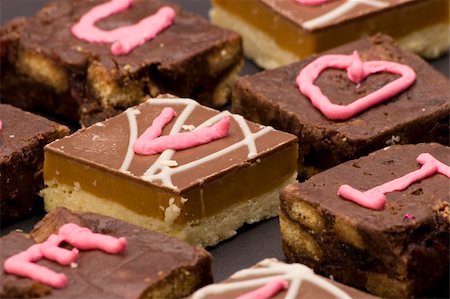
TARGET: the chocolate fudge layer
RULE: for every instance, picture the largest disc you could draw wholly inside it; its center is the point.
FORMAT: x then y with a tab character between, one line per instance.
45	67
152	266
200	194
279	32
22	139
398	251
418	114
301	280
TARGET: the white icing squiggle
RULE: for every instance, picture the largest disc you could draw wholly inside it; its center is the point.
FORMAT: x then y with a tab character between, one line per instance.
168	154
131	115
339	11
160	171
165	174
272	269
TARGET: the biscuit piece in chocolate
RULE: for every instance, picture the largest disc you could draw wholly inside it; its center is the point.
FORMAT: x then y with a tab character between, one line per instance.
44	66
301	282
153	265
200	194
399	251
22	139
279	32
420	113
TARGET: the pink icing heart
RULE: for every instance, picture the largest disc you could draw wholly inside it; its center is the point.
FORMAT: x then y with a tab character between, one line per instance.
356	71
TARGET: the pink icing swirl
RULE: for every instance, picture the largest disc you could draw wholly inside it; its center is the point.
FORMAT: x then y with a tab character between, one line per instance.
267	291
375	198
312	2
123	39
22	264
356	72
84	239
149	143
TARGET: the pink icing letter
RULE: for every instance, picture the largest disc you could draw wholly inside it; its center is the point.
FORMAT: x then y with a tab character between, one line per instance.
267	291
83	238
155	130
375	198
311	2
22	264
356	72
149	144
123	39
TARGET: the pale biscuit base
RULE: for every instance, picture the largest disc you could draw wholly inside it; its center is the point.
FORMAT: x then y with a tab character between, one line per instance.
430	42
203	232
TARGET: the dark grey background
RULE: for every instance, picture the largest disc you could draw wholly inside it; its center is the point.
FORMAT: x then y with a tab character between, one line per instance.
253	242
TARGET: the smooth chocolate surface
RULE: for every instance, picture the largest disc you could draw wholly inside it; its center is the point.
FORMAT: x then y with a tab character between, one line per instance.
150	261
406	242
300	13
418	114
190	58
303	283
22	138
105	146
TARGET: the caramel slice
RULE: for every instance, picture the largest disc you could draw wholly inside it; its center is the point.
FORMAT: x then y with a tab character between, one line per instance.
279	32
200	194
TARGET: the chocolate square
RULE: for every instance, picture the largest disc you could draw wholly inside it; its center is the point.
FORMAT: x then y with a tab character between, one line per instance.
45	67
398	251
418	114
23	136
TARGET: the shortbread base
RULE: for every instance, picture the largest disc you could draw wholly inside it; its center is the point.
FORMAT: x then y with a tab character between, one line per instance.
207	231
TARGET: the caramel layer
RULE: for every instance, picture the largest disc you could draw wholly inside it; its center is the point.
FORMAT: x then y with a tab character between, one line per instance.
397	21
204	200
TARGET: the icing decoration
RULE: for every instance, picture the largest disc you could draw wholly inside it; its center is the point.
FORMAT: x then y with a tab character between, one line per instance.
1	125
375	198
356	72
408	216
163	173
22	264
339	11
267	291
149	143
311	2
267	271
124	39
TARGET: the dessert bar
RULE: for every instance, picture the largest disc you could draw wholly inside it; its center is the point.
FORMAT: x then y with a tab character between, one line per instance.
274	279
200	194
279	32
60	62
387	230
410	102
129	262
22	139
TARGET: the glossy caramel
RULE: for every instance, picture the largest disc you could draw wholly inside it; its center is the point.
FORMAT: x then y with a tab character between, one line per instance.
145	198
397	21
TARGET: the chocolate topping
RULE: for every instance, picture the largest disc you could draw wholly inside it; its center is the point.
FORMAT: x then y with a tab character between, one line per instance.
149	260
22	139
420	199
298	13
106	146
84	81
296	275
169	48
400	251
22	129
418	114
